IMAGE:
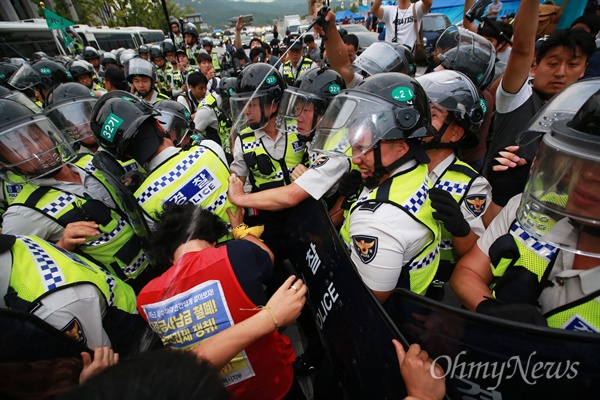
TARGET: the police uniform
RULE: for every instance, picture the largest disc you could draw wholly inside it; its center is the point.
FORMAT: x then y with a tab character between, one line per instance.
210	119
156	96
290	72
198	175
569	299
210	290
188	100
45	206
65	290
470	190
392	236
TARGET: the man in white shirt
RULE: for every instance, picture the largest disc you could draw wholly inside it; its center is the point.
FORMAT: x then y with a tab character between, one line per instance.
399	20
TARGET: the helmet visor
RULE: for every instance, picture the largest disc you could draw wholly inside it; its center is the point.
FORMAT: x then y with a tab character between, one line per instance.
250	112
296	112
562	197
352	126
26	77
73	120
377	58
32	149
24	100
176	126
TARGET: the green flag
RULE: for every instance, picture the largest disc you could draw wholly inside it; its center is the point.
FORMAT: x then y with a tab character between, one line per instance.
55	21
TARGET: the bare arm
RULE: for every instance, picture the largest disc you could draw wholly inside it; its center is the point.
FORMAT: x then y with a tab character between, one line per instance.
519	62
273	199
466	23
471	278
461	245
285	305
426	5
236	219
376	9
336	49
238	36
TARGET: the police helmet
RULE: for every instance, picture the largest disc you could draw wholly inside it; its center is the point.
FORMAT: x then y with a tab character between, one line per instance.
167	46
30	145
561	200
108	58
125	56
318	87
385	57
69	106
6	71
40	55
457	95
143	49
90	53
386	106
19	97
175	120
139	66
469	53
125	125
155	52
42	74
257	81
191	29
227	87
80	67
207	42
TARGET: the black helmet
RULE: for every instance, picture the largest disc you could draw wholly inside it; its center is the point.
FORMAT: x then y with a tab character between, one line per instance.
227	87
175	120
138	66
41	74
257	81
69	106
117	118
108	58
318	87
471	54
81	67
384	57
386	106
172	21
90	53
191	29
560	200
156	51
143	49
456	93
167	46
207	42
30	145
40	55
19	97
6	71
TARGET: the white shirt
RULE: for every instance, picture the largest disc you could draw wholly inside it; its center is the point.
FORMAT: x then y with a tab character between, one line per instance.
406	27
323	174
480	188
399	238
276	148
205	116
507	102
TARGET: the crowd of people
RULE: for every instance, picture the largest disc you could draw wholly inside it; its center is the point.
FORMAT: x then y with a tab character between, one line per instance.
146	195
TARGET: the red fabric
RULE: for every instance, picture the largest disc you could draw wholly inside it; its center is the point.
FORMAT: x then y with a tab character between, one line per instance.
271	356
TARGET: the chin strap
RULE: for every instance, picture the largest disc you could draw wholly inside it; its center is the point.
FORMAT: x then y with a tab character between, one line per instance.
415	151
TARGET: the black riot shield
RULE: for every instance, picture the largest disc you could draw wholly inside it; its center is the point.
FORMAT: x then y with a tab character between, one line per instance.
356	332
491	358
112	172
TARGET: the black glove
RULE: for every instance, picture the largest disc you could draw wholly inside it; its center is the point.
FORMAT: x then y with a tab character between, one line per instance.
349	187
448	212
525	313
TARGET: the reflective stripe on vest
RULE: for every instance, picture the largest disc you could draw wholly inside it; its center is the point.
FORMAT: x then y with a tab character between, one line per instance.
408	191
116	248
295	153
56	267
288	71
197	176
536	256
224	124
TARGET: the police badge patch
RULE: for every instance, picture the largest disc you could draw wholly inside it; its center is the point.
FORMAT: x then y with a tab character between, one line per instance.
366	247
476	204
319	161
74	331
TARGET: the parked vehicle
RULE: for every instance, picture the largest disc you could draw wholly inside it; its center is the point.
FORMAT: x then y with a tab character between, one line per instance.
434	24
23	38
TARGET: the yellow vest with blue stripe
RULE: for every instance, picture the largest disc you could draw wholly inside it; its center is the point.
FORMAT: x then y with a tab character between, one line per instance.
288	73
196	175
280	170
456	180
539	257
40	267
224	123
408	190
215	62
116	248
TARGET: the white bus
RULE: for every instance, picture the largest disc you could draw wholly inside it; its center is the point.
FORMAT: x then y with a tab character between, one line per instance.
105	38
23	38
